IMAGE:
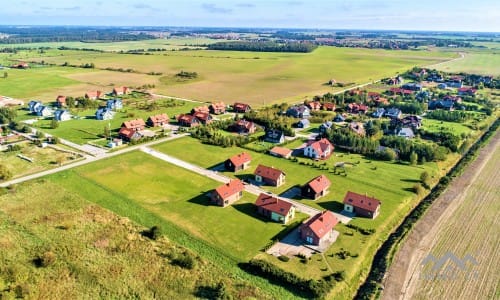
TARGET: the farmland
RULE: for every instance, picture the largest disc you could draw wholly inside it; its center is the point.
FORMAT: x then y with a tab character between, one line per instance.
479	62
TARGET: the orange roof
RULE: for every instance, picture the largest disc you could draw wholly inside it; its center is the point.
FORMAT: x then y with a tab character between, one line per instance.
134	123
93	94
273	204
159	118
240	159
281	151
268	172
314	105
319	183
128	132
186	118
361	201
218	105
245	123
322	223
321	146
227	190
202	109
61	99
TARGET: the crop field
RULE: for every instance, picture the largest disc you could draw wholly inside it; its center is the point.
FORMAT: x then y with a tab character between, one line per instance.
256	78
95	252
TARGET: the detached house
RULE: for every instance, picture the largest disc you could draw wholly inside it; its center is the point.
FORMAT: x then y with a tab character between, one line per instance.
241	107
393	113
315	105
358	128
61	101
355	108
323	128
204	118
203	109
44	111
104	114
274	136
114	104
406	132
274	208
466	91
379	113
316	188
188	121
319	228
301	111
217	108
157	121
321	149
238	162
243	126
281	152
136	125
120	90
328	106
94	95
228	193
361	205
34	106
129	134
62	115
269	175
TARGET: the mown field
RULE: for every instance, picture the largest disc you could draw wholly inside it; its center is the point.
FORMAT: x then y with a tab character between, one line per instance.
475	61
256	78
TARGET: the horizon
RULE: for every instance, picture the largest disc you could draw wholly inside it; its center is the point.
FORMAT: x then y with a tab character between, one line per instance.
445	16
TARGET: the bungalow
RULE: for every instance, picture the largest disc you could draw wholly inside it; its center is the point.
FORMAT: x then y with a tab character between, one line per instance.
44	111
136	125
393	113
228	193
217	108
94	95
129	134
316	188
301	111
269	175
157	120
358	128
114	104
34	106
378	113
412	86
318	228
274	136
61	101
361	205
238	162
205	118
355	108
441	104
241	107
274	208
304	123
467	91
202	109
104	114
328	106
188	121
281	152
338	118
243	126
62	115
120	90
314	105
406	132
321	149
323	128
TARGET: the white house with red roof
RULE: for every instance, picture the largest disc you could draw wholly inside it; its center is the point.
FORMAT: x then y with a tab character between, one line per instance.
269	175
228	193
316	188
238	162
321	149
319	228
361	205
274	208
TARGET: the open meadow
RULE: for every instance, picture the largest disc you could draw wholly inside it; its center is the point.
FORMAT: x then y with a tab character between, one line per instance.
484	62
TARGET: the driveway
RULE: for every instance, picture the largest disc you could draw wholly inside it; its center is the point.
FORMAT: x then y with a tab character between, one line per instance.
291	245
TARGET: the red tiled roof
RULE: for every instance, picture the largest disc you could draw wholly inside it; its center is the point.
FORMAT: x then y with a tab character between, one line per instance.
322	223
329	105
120	89
268	172
245	123
240	159
93	94
61	99
205	116
319	183
159	118
314	105
227	190
240	106
273	204
134	123
281	151
361	201
321	146
202	109
218	105
186	118
128	132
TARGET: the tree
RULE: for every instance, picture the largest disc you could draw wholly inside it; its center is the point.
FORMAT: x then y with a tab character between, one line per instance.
107	132
54	124
5	75
5	173
413	158
425	179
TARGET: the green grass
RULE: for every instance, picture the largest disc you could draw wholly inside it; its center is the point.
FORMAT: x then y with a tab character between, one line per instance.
477	62
438	126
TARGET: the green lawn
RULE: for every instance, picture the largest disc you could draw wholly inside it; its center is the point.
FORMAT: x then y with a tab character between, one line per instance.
438	126
477	62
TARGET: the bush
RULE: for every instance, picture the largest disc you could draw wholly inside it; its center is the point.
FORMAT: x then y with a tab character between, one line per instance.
418	189
284	258
46	259
186	261
153	233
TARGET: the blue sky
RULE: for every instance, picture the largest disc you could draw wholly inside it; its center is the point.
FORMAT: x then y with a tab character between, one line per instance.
457	15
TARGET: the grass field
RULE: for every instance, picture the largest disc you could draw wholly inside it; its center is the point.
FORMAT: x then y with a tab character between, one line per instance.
478	62
257	78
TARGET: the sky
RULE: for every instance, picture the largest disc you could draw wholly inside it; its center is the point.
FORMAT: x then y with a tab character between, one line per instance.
439	15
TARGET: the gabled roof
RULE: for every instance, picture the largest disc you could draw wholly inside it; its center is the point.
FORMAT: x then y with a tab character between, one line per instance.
187	119
321	146
127	132
329	105
281	151
205	116
322	223
273	204
61	99
240	106
319	183
240	159
202	109
245	123
134	123
361	201
218	105
93	94
268	172
227	190
120	89
159	118
314	104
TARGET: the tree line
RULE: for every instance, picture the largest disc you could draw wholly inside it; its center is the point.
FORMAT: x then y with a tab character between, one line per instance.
263	46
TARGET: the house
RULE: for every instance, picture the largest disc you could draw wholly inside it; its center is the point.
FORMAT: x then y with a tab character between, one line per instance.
406	132
393	113
62	115
314	105
129	134
204	118
380	101
44	111
274	136
241	107
136	125
323	128
21	65
373	96
361	205
238	162
300	111
34	106
412	86
114	104
104	114
243	126
274	208
328	106
378	113
281	152
456	99
355	108
269	175
358	128
466	91
94	95
61	101
394	81
454	82
202	109
188	121
442	86
120	90
441	104
400	91
228	193
304	123
319	228
338	118
217	108
316	188
411	121
157	120
321	149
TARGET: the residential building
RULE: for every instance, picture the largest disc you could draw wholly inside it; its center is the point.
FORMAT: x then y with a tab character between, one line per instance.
269	175
316	188
61	101
314	105
104	113
274	208
378	113
274	136
393	113
281	152
243	126
321	149
44	111
228	193
157	120
361	205
319	228
304	123
94	95
188	121
241	107
412	86
355	108
34	106
204	118
129	134
238	162
328	106
62	115
217	108
406	132
300	111
358	128
201	109
136	125
114	104
121	90
323	128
